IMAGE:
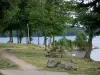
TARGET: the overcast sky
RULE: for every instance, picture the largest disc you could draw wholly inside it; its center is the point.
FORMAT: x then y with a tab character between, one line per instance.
86	1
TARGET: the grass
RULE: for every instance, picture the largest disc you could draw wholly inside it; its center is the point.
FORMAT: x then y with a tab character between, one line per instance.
36	57
1	74
4	64
11	45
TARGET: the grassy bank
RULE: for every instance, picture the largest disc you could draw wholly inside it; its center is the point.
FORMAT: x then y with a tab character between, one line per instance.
1	74
36	57
4	64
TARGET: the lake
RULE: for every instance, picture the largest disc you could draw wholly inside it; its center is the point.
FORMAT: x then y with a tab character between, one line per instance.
96	40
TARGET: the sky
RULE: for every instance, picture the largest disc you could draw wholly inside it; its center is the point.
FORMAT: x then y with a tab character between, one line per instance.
86	1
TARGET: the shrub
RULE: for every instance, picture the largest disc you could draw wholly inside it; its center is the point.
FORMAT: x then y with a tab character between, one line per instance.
81	41
65	43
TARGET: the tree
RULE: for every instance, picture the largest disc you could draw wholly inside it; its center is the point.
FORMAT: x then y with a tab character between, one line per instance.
4	5
90	19
7	11
22	17
57	18
47	18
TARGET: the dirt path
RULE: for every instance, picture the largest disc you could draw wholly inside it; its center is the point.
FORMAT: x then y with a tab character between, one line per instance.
22	64
26	69
32	72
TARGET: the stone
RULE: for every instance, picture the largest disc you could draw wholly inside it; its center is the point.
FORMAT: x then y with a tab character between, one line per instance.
52	63
71	67
73	61
98	68
11	64
1	63
61	65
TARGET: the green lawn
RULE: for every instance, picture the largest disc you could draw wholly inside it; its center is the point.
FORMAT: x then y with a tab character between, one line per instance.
4	64
36	57
1	74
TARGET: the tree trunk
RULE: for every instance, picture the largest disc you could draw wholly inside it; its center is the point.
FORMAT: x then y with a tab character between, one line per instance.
87	55
45	41
50	42
11	36
20	36
20	40
17	36
53	41
38	41
30	40
27	38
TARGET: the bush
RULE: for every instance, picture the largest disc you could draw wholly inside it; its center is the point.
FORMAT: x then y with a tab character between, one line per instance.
65	43
81	41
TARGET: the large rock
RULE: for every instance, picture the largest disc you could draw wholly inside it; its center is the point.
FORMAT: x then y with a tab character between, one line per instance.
60	65
1	63
94	69
11	64
71	67
73	61
52	63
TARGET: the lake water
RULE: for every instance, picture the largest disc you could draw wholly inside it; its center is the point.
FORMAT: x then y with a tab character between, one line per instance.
96	40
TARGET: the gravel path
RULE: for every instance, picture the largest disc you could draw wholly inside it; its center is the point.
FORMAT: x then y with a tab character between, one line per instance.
32	72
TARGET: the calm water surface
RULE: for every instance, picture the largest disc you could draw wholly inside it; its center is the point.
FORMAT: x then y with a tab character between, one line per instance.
96	40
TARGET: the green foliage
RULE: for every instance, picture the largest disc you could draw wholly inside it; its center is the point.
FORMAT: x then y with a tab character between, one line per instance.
46	17
4	5
90	19
81	40
65	43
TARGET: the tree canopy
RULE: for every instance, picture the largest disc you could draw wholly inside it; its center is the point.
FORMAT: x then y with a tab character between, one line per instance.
88	15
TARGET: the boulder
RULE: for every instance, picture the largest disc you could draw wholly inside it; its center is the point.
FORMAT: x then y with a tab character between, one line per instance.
52	63
1	63
98	68
60	65
11	64
71	67
95	69
73	61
